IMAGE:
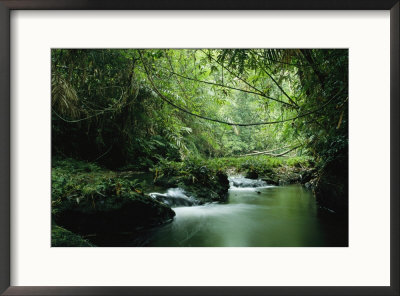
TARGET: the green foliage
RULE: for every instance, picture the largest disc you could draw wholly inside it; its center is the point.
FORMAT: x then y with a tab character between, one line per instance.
198	168
191	170
61	237
79	182
260	164
76	166
98	201
107	108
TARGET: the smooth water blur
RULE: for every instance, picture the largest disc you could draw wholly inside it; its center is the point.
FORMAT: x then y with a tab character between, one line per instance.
266	216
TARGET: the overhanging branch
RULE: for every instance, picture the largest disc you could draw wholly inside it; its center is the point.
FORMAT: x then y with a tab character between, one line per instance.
164	98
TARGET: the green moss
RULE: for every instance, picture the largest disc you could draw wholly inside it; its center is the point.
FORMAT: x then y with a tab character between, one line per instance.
61	237
75	182
196	176
261	164
97	200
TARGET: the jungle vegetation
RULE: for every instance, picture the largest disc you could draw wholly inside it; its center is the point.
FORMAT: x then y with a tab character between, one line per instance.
188	116
135	107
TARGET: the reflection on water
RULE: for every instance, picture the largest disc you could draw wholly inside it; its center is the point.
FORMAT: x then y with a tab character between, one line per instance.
264	216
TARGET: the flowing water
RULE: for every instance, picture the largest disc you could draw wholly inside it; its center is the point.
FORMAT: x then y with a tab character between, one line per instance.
256	215
174	197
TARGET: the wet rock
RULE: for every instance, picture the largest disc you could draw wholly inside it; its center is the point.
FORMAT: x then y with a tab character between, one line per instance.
289	175
252	175
271	180
213	188
307	175
101	214
206	186
242	182
308	185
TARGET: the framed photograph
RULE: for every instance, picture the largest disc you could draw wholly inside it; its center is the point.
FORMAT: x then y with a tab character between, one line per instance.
156	148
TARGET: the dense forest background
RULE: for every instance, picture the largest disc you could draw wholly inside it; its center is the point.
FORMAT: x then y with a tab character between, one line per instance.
131	108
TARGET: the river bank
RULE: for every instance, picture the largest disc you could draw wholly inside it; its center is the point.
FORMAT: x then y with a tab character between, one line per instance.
90	202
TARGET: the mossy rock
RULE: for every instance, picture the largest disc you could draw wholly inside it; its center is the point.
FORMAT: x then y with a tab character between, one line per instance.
101	201
61	237
205	186
271	180
213	189
288	175
101	214
252	175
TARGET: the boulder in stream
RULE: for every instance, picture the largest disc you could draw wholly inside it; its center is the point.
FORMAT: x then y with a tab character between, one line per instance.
102	214
197	181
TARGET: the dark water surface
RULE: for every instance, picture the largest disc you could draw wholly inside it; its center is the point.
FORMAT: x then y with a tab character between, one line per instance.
266	216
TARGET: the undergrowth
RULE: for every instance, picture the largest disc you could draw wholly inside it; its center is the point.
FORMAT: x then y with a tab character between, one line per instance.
60	237
195	167
78	181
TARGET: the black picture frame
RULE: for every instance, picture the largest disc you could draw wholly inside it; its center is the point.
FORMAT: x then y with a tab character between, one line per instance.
7	6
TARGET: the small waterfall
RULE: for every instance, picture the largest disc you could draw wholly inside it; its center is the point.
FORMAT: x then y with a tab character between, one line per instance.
174	197
242	182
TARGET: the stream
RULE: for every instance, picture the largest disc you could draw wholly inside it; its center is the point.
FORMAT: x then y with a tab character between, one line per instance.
256	215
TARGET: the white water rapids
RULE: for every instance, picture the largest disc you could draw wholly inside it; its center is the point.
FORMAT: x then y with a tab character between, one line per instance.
175	197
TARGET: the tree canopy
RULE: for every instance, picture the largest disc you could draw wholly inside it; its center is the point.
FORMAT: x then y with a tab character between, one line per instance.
133	107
